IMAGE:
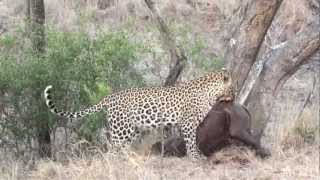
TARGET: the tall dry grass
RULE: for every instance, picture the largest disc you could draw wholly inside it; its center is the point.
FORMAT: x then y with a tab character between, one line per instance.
231	163
234	162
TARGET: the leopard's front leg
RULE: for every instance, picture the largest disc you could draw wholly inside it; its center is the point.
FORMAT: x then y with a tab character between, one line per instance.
189	130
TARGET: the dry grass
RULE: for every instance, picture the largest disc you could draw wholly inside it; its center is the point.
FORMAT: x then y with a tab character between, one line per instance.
230	163
294	156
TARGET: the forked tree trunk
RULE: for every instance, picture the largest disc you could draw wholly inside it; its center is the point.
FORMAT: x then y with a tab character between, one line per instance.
261	74
281	64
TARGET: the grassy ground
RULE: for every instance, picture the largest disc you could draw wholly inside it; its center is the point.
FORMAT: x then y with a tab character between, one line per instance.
231	163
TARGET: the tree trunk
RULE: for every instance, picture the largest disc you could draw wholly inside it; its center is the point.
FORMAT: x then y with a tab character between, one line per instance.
245	45
104	4
28	17
28	10
38	21
261	69
44	140
38	44
282	63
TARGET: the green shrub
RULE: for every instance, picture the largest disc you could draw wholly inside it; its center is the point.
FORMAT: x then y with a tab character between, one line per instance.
81	69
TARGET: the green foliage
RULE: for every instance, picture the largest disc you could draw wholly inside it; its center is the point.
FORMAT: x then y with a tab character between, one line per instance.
7	41
307	133
81	69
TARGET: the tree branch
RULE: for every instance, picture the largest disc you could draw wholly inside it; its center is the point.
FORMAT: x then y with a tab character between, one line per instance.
177	55
298	59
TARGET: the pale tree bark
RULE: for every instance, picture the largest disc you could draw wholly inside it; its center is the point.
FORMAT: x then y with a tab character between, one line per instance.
245	45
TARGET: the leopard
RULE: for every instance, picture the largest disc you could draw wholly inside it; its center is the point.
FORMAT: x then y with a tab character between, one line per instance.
184	105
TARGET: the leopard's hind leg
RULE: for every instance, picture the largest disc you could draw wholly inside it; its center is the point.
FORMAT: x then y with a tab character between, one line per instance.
123	132
188	129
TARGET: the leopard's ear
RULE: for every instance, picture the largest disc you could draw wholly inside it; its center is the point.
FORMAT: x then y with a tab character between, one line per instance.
226	76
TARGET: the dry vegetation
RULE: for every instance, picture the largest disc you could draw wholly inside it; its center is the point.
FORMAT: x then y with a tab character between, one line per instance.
231	163
294	156
289	161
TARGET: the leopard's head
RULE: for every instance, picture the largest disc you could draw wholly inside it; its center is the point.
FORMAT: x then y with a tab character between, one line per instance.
220	87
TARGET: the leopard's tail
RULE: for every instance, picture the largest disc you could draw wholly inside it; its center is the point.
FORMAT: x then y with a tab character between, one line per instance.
70	115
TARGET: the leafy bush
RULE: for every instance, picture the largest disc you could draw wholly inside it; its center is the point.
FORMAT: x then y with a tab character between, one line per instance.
81	69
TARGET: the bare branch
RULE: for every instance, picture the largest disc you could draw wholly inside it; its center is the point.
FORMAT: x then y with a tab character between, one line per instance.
298	59
177	54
